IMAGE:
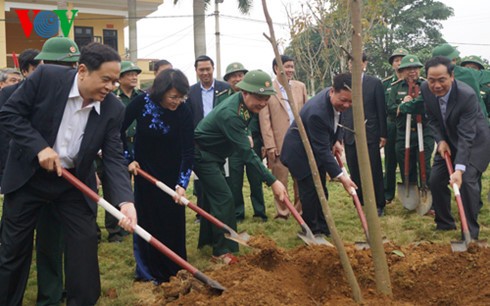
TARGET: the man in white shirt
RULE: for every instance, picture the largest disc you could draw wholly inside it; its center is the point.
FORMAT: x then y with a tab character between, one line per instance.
275	120
61	117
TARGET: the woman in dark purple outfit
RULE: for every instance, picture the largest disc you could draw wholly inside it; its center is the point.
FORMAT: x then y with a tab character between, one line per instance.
164	148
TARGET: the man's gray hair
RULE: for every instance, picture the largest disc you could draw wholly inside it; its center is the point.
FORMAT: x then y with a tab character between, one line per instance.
4	73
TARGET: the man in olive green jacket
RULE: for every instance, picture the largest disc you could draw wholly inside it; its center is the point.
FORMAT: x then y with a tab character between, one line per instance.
220	134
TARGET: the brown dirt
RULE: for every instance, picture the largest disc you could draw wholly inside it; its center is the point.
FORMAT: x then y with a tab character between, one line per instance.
422	274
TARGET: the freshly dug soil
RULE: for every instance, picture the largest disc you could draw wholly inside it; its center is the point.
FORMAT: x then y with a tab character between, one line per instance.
421	274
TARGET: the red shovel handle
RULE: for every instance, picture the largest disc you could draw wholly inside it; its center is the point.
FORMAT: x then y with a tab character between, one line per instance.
293	211
184	201
459	201
355	197
139	230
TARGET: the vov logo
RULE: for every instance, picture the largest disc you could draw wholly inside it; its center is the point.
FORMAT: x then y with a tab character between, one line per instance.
46	23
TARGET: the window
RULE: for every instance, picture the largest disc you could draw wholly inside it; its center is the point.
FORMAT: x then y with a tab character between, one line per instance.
110	38
84	36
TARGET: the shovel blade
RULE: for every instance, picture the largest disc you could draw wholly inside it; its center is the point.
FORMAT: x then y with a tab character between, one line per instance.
409	197
361	245
240	238
459	246
314	240
210	282
307	236
425	201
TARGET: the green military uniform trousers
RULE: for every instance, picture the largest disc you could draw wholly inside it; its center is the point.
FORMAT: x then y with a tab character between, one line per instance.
235	182
390	161
414	153
217	200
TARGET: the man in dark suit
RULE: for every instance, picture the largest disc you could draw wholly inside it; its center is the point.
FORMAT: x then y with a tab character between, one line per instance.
459	128
376	133
202	99
61	117
320	116
202	95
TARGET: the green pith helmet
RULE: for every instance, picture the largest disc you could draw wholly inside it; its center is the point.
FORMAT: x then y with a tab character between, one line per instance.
59	49
127	66
410	60
257	82
473	59
398	52
232	68
445	50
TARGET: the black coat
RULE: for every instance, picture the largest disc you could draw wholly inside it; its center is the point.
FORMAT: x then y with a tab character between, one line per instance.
194	100
318	118
32	117
466	130
373	97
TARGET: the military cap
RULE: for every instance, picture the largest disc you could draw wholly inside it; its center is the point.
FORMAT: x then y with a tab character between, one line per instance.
257	82
398	52
445	50
59	49
127	66
232	68
410	60
473	59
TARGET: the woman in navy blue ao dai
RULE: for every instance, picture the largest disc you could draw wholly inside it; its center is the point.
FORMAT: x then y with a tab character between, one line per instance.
164	148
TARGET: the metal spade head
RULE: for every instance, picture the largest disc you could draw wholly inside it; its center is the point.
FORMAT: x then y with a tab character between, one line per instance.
307	236
425	201
210	282
241	238
409	197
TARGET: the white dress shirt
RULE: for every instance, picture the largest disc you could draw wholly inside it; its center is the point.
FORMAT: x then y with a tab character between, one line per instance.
72	127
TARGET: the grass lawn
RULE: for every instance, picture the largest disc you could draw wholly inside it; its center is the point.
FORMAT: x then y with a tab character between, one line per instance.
398	225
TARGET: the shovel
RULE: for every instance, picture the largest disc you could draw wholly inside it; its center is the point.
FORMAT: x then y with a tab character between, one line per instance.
361	245
424	192
458	246
407	192
142	233
241	238
306	235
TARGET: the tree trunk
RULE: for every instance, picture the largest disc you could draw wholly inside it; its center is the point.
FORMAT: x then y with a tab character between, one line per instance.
199	19
382	276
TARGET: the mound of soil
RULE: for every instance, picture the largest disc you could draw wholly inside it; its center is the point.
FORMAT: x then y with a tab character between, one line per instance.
421	274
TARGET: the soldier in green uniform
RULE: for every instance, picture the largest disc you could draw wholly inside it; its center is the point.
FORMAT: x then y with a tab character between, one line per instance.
223	132
234	74
475	62
469	76
127	90
389	149
403	92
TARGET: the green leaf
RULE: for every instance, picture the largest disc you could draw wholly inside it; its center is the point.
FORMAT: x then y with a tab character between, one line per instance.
398	253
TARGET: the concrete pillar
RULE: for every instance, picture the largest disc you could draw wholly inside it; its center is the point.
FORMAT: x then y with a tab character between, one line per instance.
3	36
133	41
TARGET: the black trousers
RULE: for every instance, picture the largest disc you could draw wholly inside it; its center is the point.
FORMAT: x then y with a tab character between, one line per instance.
376	169
21	210
312	208
441	196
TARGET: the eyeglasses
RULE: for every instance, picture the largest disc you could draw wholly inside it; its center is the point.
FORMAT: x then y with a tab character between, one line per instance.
177	98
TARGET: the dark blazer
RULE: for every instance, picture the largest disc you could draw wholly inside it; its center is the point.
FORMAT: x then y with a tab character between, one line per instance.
32	116
466	130
194	99
373	97
318	118
5	93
